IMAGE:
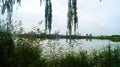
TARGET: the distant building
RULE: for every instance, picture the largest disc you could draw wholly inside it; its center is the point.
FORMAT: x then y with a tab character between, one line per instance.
90	35
66	33
42	33
86	35
31	32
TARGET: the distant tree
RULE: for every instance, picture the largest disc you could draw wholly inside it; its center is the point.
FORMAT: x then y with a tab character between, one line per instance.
7	6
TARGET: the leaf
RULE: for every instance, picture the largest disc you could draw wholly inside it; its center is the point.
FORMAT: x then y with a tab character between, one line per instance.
3	9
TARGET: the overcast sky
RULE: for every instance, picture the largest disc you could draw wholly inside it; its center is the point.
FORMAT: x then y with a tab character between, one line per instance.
94	17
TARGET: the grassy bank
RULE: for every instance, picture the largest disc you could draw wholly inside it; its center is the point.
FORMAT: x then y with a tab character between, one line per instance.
113	38
27	54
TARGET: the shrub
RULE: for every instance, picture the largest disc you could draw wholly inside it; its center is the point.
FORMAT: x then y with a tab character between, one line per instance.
6	49
27	55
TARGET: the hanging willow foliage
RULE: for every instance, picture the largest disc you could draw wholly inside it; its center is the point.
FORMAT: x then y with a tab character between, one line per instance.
72	16
7	5
75	15
41	1
48	15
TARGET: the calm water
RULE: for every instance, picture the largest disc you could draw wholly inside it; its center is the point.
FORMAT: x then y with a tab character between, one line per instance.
64	46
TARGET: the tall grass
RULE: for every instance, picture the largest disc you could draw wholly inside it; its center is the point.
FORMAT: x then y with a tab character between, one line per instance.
27	54
6	49
106	57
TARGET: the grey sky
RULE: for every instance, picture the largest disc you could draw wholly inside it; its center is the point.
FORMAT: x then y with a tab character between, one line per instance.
94	17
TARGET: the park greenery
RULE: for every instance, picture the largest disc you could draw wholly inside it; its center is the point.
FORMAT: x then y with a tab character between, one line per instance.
27	53
25	50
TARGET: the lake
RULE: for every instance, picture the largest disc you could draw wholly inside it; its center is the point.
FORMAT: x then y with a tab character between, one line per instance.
62	46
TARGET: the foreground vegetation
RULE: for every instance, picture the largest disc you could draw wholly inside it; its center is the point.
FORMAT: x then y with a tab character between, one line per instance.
25	53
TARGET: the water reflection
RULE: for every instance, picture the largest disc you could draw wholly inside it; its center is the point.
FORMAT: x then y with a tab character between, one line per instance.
63	46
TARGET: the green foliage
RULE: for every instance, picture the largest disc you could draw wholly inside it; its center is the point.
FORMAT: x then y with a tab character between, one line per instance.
27	55
109	57
7	5
75	60
106	57
21	54
75	15
6	49
3	25
41	1
15	27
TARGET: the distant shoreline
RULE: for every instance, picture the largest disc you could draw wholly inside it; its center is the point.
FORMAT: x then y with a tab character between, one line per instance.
114	38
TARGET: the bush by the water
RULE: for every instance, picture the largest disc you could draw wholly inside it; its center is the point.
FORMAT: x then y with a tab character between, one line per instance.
27	55
19	54
6	49
24	53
